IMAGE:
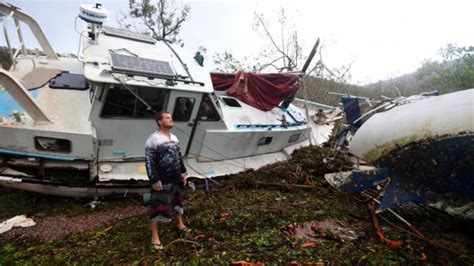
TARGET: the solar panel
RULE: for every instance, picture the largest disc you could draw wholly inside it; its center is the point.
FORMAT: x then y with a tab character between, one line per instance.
128	35
141	66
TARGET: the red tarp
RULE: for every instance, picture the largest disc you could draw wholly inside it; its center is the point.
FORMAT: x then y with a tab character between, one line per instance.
262	91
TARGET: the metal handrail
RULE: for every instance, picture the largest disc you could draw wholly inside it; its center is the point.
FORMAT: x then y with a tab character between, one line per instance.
35	28
7	39
20	37
22	48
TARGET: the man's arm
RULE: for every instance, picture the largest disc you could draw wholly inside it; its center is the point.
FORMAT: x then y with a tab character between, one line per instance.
151	163
181	163
184	173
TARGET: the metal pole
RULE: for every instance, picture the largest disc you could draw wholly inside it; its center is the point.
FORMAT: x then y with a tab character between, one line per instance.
7	39
391	211
20	37
310	57
307	112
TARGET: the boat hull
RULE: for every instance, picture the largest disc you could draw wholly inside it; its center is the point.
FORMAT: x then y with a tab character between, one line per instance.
93	191
431	171
425	149
434	117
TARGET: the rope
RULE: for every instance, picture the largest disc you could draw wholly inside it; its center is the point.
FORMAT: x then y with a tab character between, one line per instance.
134	93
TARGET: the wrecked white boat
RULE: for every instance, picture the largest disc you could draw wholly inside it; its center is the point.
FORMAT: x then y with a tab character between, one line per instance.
422	147
92	114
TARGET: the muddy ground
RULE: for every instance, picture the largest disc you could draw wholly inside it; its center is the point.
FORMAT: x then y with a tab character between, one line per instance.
280	214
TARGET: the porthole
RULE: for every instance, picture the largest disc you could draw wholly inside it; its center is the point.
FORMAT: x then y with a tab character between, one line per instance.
52	144
264	141
231	102
294	138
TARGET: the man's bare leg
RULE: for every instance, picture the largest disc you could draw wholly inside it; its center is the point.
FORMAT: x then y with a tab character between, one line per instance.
155	238
179	222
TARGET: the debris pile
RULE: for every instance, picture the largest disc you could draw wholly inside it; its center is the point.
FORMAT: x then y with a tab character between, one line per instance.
329	229
306	167
283	214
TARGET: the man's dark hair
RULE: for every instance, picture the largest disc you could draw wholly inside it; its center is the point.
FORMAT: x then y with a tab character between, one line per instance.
159	116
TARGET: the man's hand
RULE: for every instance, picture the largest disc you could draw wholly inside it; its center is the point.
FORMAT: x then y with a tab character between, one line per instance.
183	178
158	186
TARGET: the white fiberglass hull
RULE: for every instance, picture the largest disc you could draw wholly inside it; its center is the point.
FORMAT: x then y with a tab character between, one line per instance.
435	117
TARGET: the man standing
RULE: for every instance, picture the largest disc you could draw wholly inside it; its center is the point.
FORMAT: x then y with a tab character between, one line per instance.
167	173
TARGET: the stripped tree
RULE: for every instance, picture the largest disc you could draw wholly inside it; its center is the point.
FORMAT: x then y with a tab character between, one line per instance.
282	52
277	56
284	49
161	19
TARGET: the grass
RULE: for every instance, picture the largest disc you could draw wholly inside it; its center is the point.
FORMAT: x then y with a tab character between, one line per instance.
241	220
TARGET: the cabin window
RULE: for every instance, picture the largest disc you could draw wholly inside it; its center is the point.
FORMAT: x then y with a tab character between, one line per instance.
208	112
294	138
120	102
264	141
231	102
52	144
183	109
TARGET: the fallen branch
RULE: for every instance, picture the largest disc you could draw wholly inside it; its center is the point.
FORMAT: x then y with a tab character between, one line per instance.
185	241
393	244
285	185
182	240
431	242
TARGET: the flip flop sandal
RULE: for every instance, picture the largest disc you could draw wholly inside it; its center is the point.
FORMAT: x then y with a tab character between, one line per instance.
157	246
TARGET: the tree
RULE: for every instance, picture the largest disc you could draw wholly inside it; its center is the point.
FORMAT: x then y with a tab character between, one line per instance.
276	56
5	60
454	72
227	63
161	19
282	55
282	52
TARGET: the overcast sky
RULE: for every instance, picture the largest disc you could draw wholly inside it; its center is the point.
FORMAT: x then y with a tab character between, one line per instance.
381	39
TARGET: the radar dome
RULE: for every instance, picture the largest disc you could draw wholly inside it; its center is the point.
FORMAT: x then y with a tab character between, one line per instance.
93	13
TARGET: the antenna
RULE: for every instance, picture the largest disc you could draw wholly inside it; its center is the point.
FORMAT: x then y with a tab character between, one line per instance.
310	57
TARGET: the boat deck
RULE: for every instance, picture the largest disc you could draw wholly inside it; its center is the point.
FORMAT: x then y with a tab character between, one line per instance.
68	109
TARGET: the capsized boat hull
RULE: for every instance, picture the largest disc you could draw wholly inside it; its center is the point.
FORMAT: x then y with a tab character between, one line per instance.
446	115
425	149
431	171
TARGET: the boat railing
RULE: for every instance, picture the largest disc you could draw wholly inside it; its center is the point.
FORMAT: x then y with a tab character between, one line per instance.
20	94
18	16
387	103
316	104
